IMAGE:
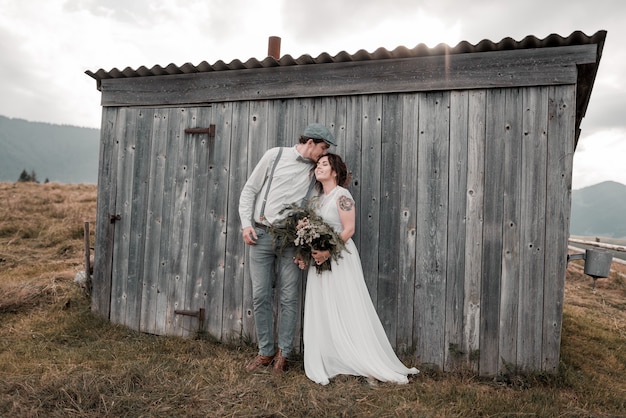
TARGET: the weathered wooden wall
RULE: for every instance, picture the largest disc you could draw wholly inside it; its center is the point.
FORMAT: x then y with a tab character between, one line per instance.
462	202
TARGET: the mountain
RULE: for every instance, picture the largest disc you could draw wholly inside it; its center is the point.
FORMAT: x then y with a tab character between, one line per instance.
599	210
59	153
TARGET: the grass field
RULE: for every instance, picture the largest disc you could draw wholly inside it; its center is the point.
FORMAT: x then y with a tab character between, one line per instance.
59	360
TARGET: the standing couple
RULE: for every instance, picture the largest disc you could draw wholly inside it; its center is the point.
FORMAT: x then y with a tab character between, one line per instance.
342	332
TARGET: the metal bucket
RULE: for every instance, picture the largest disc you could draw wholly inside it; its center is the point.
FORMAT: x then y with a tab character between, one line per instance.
598	263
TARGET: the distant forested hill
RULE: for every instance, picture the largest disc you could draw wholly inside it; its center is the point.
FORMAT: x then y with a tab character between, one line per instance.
59	153
599	210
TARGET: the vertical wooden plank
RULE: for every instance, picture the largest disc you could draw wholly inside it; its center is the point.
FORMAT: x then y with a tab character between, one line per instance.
302	108
561	134
181	225
296	119
336	122
511	226
533	219
317	110
162	319
492	234
259	141
289	122
351	149
475	201
140	189
389	225
123	207
459	125
235	268
327	110
107	183
371	130
184	325
432	230
197	278
272	123
216	213
155	217
283	134
407	224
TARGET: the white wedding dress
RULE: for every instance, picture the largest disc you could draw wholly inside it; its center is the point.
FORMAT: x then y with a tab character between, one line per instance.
342	332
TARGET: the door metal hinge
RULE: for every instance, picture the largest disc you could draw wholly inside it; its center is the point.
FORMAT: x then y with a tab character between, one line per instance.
209	131
198	314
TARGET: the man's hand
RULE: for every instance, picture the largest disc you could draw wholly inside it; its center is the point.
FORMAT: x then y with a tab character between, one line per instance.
320	256
300	262
249	235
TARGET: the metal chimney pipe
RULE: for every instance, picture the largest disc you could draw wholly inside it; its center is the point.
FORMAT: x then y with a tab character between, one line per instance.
273	48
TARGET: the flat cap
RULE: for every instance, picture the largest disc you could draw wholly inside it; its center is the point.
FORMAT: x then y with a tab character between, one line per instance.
319	131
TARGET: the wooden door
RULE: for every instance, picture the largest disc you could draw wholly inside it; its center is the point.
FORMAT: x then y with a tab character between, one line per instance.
167	191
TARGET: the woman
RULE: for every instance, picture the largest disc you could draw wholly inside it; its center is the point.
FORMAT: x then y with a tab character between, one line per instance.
342	332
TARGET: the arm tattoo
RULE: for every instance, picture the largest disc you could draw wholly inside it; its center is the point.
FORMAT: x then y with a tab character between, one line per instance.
345	203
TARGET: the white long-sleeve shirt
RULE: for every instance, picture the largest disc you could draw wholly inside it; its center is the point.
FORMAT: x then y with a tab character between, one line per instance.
290	184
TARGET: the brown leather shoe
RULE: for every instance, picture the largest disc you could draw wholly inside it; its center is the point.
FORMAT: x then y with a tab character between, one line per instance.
258	362
280	363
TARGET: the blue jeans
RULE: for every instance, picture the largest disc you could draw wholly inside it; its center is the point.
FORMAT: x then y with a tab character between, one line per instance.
263	266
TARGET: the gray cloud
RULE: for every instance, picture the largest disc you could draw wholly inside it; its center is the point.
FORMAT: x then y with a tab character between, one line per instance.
46	46
131	12
325	21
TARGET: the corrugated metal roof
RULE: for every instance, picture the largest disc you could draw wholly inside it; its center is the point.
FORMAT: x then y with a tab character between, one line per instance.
421	50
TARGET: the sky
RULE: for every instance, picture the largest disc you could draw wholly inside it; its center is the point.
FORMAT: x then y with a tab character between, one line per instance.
47	45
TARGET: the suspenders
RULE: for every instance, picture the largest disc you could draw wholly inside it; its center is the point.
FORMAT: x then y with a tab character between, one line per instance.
269	184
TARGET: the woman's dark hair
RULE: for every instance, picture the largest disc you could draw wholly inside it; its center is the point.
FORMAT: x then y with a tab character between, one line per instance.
338	166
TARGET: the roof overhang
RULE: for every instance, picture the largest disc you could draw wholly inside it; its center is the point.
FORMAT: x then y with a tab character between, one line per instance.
531	62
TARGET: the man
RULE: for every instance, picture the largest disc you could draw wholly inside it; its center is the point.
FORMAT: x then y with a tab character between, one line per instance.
282	176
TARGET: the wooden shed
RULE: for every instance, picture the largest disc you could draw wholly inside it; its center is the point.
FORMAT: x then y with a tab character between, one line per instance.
461	160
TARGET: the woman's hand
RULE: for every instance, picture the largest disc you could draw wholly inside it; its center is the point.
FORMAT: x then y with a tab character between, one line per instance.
320	256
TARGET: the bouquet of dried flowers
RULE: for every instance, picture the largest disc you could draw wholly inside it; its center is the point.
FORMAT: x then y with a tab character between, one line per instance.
307	231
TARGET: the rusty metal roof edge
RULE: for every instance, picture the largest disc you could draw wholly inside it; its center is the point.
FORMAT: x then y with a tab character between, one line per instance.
420	50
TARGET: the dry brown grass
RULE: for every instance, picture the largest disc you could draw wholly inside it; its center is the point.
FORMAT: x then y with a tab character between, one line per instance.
59	360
